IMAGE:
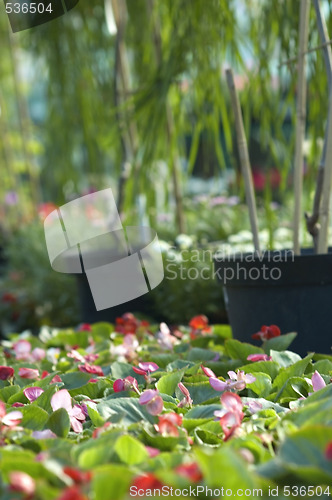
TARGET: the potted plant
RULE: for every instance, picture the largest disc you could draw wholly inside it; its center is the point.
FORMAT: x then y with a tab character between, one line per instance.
290	288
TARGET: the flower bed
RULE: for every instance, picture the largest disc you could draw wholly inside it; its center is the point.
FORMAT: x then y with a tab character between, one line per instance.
107	413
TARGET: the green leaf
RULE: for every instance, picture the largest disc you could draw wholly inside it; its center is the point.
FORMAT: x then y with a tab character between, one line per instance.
95	417
126	410
73	380
9	391
240	350
198	354
305	449
235	473
200	392
280	343
130	450
295	370
223	331
168	383
59	423
111	481
262	385
34	418
285	358
204	411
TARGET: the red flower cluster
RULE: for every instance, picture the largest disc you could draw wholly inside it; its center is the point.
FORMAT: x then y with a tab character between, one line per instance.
129	324
199	325
168	424
6	372
267	332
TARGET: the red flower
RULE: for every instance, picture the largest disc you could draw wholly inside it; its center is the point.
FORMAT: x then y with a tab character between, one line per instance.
267	332
6	372
199	325
9	298
79	477
87	368
72	493
84	327
125	384
168	424
259	357
99	430
328	451
190	471
146	482
129	324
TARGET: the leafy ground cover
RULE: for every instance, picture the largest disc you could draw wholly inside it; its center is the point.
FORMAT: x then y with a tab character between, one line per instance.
108	412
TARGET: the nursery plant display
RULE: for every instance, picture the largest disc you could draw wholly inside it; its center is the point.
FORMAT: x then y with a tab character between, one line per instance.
111	412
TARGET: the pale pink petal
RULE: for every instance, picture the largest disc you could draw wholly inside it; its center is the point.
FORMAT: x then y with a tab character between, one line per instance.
249	378
29	373
32	393
76	425
317	381
231	402
147	396
258	357
77	412
155	406
61	399
218	385
153	452
22	349
22	482
45	434
13	418
38	354
254	406
184	389
148	366
232	375
2	409
208	372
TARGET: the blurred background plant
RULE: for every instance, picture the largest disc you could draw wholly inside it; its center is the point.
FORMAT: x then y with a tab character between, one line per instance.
131	94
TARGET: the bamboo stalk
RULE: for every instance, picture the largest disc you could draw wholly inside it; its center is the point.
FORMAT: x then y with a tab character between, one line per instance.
300	123
244	158
174	156
312	221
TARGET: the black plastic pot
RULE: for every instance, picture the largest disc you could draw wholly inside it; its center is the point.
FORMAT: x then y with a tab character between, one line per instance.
293	292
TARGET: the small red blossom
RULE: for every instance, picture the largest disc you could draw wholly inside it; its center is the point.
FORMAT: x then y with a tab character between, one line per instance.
6	372
328	451
146	482
153	452
190	471
231	415
267	332
128	324
168	424
199	326
72	493
44	209
79	477
259	357
84	327
87	368
125	384
9	298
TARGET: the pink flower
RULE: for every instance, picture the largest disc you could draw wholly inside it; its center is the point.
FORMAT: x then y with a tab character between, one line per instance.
10	419
236	381
29	373
125	384
145	369
32	393
153	452
22	349
259	357
22	482
128	349
153	402
38	354
190	471
84	327
62	399
168	424
232	415
87	368
317	381
6	372
164	337
208	372
186	401
254	407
